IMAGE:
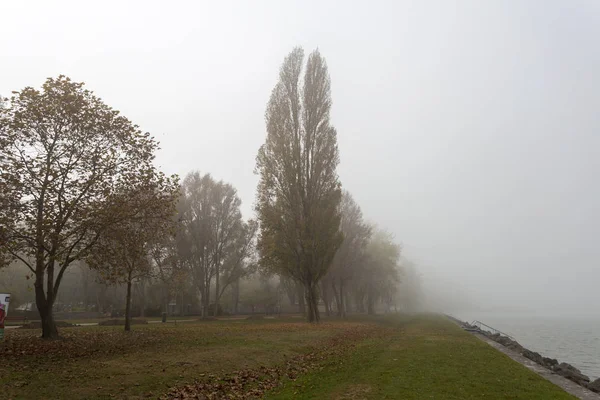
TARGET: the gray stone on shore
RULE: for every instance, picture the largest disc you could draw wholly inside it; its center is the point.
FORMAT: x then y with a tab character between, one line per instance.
508	342
595	386
549	362
571	373
533	356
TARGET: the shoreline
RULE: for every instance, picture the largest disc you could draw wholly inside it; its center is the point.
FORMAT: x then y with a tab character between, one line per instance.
574	339
549	366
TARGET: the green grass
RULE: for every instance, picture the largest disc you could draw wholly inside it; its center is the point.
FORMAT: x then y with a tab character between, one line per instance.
425	357
422	357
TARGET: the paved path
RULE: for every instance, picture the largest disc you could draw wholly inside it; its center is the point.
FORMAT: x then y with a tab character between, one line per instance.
152	321
567	385
169	321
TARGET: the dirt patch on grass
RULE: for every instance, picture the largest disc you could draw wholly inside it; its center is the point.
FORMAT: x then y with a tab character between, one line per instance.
254	383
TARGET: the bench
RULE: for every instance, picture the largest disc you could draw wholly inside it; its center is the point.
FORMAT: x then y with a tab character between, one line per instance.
15	318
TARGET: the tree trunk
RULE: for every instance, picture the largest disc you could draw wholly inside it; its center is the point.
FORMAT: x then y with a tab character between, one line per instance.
44	305
101	298
98	304
165	298
360	302
325	293
128	305
236	296
370	308
301	295
291	290
201	304
49	330
216	312
85	293
207	303
336	297
182	305
310	316
370	303
143	298
348	303
342	305
312	303
315	299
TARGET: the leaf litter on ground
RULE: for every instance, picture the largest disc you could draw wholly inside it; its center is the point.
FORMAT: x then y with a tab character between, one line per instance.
254	383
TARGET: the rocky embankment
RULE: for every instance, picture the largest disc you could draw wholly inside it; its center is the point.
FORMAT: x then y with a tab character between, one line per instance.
560	368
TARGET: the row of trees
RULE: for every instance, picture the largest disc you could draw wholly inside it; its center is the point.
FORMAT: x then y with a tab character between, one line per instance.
79	185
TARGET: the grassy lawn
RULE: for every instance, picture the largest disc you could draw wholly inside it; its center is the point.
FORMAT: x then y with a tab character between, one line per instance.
425	357
101	362
387	357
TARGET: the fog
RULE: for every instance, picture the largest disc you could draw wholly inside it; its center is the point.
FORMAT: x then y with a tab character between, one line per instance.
468	129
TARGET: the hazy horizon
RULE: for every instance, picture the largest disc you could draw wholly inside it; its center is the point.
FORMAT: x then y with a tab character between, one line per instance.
468	130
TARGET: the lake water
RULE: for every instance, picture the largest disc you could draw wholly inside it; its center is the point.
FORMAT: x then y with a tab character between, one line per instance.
575	340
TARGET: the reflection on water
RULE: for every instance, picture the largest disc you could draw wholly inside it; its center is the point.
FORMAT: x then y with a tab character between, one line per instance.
575	340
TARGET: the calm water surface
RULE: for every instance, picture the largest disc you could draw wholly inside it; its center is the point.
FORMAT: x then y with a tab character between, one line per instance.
575	340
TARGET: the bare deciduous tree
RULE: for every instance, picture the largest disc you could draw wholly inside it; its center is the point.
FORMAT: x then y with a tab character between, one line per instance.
379	275
351	254
168	268
240	260
123	254
210	233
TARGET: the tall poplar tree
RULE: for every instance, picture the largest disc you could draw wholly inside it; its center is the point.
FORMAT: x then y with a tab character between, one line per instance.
299	190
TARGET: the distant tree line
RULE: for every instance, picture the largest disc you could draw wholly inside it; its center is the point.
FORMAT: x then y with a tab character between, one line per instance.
82	205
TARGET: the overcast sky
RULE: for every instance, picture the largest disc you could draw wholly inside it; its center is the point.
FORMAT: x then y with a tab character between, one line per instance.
470	129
